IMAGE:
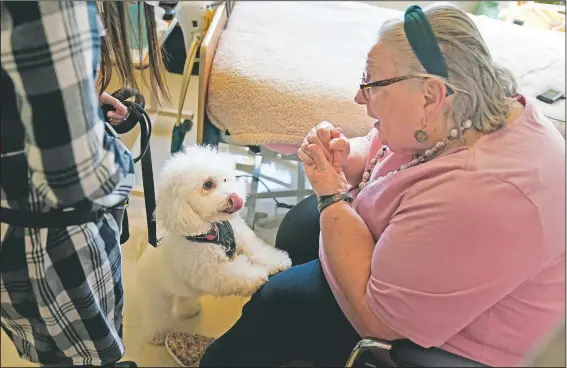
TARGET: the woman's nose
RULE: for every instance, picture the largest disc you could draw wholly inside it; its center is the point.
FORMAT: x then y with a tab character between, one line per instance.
359	98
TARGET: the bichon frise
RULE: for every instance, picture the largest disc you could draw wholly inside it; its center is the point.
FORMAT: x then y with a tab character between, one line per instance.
206	247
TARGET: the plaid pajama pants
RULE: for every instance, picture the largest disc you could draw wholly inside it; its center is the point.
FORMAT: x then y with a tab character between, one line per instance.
62	294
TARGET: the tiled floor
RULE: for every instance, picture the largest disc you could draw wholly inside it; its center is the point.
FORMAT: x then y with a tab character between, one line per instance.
218	313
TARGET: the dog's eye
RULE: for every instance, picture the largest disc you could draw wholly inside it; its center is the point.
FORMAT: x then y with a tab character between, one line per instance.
225	180
208	185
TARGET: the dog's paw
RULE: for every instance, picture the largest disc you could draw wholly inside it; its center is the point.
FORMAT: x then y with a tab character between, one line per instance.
273	259
281	263
245	278
188	314
158	338
186	310
256	278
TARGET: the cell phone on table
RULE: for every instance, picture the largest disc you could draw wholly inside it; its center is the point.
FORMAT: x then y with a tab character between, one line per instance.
550	96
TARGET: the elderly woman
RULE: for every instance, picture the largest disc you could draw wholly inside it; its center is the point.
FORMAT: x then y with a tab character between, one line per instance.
456	235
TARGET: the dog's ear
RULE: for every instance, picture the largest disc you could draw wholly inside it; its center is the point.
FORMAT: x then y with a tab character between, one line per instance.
176	215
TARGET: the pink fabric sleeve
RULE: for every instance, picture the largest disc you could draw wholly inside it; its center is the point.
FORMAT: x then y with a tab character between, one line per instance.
448	255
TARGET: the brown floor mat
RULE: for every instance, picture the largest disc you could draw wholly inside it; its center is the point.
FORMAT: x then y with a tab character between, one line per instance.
186	349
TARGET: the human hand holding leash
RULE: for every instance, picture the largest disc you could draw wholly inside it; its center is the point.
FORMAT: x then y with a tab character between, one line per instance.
121	111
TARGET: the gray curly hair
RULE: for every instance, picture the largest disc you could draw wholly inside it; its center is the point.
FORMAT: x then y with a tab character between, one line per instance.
482	89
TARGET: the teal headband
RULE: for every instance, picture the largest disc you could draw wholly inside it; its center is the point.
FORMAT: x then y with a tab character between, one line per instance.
423	42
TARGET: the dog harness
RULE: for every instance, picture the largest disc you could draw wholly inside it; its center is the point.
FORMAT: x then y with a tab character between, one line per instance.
222	234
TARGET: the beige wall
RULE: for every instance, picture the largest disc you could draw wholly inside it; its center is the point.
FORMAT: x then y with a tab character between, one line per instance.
468	6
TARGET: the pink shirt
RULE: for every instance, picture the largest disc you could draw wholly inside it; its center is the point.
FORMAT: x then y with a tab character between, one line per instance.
470	247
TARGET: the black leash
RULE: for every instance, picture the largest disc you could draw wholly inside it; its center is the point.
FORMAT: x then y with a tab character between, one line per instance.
137	115
79	216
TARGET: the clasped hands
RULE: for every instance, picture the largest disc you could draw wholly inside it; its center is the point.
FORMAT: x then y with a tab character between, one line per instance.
324	151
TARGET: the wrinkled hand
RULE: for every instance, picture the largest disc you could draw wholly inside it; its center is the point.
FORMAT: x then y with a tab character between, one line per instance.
326	177
330	139
121	111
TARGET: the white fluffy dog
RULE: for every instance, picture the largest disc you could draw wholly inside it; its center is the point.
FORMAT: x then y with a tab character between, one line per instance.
206	247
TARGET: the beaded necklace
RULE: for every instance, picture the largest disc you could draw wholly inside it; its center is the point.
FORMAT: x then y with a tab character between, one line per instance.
418	159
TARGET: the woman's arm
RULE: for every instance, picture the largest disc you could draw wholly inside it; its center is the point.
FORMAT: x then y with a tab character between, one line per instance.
356	161
348	246
50	54
347	242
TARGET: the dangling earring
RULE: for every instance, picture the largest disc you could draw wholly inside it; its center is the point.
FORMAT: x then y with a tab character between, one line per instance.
420	136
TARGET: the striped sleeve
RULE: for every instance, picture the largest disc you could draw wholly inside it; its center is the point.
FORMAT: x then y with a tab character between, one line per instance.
51	52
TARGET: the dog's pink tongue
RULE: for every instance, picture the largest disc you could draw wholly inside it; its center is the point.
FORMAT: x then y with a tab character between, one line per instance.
237	203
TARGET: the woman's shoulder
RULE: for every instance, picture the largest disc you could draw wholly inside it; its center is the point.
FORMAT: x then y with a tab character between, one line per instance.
527	157
531	124
463	185
471	200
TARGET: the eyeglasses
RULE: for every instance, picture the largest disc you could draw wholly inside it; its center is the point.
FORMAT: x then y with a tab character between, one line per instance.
365	85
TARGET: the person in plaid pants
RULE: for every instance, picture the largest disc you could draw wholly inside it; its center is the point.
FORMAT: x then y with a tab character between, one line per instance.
61	287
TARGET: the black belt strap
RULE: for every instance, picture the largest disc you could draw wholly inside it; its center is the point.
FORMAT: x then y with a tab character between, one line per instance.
51	219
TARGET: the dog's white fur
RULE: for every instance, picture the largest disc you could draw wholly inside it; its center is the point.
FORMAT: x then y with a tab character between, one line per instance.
172	277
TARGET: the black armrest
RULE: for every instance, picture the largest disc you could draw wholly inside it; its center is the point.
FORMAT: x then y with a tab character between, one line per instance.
405	353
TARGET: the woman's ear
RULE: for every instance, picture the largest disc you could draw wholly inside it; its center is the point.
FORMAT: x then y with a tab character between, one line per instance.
434	92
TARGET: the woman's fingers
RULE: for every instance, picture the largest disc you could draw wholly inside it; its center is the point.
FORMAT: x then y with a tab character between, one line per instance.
324	125
115	118
305	148
116	115
338	144
313	138
339	148
323	132
336	133
337	160
121	109
118	106
321	135
319	157
303	156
